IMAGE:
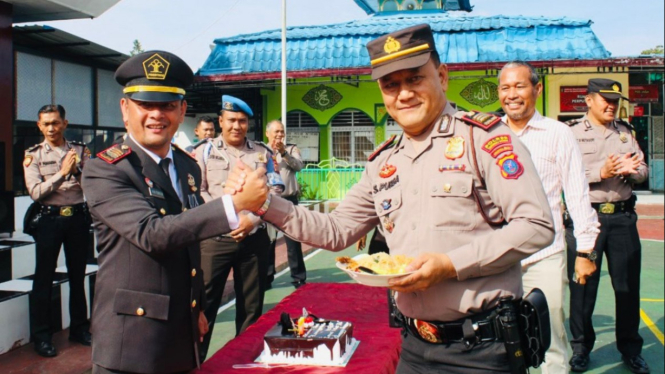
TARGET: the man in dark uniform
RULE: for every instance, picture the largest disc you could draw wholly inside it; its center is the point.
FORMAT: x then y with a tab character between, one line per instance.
455	193
144	196
52	176
245	250
614	162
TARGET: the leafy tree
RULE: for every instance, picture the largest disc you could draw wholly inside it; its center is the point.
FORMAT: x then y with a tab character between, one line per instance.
658	50
137	48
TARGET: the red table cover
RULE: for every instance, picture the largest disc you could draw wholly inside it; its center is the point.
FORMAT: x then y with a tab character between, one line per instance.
366	307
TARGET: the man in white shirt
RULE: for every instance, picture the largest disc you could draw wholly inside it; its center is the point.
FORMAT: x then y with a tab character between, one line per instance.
557	158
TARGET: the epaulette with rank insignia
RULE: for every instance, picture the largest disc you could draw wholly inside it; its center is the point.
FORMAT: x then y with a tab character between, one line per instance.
625	123
264	145
385	145
34	147
573	121
76	142
114	153
202	142
177	148
480	119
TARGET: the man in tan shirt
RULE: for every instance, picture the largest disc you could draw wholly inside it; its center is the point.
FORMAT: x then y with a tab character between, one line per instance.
245	249
613	163
455	193
287	162
52	176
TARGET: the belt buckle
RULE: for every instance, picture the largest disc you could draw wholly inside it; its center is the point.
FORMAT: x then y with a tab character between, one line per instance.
428	331
66	211
606	208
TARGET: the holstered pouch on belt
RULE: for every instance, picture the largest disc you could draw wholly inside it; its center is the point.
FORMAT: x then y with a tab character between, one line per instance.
535	326
31	219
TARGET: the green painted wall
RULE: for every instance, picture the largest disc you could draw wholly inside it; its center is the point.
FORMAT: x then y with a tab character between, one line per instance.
366	97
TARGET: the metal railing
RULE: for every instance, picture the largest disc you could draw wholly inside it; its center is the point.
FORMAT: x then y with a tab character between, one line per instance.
328	180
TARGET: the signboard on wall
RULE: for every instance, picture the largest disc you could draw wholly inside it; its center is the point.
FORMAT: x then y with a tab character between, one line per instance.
307	142
647	93
572	98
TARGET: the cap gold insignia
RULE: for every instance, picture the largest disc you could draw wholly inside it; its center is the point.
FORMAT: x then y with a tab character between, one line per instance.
615	87
391	45
27	161
156	67
623	138
455	148
228	105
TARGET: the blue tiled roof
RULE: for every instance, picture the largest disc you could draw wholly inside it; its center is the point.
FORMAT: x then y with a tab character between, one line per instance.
459	39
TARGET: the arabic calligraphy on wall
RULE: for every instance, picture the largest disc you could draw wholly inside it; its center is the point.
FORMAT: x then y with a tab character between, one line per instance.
322	97
481	93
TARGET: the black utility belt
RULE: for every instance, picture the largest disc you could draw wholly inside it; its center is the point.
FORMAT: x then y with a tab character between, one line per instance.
63	210
614	208
483	327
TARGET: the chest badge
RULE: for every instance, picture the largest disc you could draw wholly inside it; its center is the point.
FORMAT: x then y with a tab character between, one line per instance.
511	168
455	148
387	171
388	224
27	160
623	137
191	182
386	204
262	158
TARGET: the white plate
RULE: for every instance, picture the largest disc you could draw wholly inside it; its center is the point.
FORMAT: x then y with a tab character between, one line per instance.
369	279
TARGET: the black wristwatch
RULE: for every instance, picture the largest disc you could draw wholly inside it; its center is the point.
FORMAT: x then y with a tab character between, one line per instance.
591	256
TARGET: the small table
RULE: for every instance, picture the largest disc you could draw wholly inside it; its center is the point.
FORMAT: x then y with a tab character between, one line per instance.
365	307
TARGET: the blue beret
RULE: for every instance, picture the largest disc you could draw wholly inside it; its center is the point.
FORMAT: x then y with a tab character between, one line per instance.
233	104
157	76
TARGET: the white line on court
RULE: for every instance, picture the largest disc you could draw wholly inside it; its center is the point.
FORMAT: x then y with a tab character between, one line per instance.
233	302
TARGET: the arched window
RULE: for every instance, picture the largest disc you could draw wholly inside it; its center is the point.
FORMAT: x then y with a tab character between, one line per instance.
303	131
352	136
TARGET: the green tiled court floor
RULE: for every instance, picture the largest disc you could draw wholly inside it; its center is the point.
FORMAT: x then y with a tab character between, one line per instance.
604	358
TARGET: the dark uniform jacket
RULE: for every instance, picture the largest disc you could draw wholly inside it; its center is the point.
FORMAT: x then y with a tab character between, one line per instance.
149	287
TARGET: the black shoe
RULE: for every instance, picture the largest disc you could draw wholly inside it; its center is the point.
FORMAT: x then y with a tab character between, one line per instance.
298	284
579	363
45	349
83	337
636	364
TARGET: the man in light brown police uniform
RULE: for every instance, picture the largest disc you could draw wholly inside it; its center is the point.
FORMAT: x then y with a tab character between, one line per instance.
53	179
245	249
613	162
288	162
454	193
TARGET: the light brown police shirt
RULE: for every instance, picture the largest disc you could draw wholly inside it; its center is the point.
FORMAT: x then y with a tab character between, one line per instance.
289	165
428	205
597	142
45	184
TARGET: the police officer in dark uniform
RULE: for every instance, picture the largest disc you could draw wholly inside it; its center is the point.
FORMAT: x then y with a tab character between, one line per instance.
52	176
614	162
144	196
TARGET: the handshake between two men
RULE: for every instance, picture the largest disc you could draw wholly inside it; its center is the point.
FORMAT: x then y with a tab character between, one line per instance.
248	188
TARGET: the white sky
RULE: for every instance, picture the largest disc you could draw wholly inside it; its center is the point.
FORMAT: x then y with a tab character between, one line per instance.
188	27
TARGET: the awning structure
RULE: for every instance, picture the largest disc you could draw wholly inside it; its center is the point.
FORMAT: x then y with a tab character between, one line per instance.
461	39
50	10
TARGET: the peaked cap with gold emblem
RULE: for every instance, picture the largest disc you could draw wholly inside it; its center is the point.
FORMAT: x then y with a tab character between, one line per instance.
606	88
156	76
402	49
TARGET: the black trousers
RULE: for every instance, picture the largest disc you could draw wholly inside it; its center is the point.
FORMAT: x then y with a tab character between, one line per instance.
418	357
52	233
96	369
620	243
249	261
294	255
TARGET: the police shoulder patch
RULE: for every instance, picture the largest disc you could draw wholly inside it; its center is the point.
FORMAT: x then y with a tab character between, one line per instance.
574	121
180	150
385	145
480	119
114	153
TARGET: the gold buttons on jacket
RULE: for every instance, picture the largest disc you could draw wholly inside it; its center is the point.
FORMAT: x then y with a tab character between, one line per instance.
162	211
140	312
193	303
193	273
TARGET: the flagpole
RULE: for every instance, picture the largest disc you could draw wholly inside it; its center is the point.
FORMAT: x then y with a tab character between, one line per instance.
284	66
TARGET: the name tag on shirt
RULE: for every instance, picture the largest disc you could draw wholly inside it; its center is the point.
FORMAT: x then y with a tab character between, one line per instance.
156	192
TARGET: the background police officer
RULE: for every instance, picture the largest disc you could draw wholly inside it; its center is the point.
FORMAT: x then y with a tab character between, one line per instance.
288	161
245	249
144	196
455	193
52	177
613	162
